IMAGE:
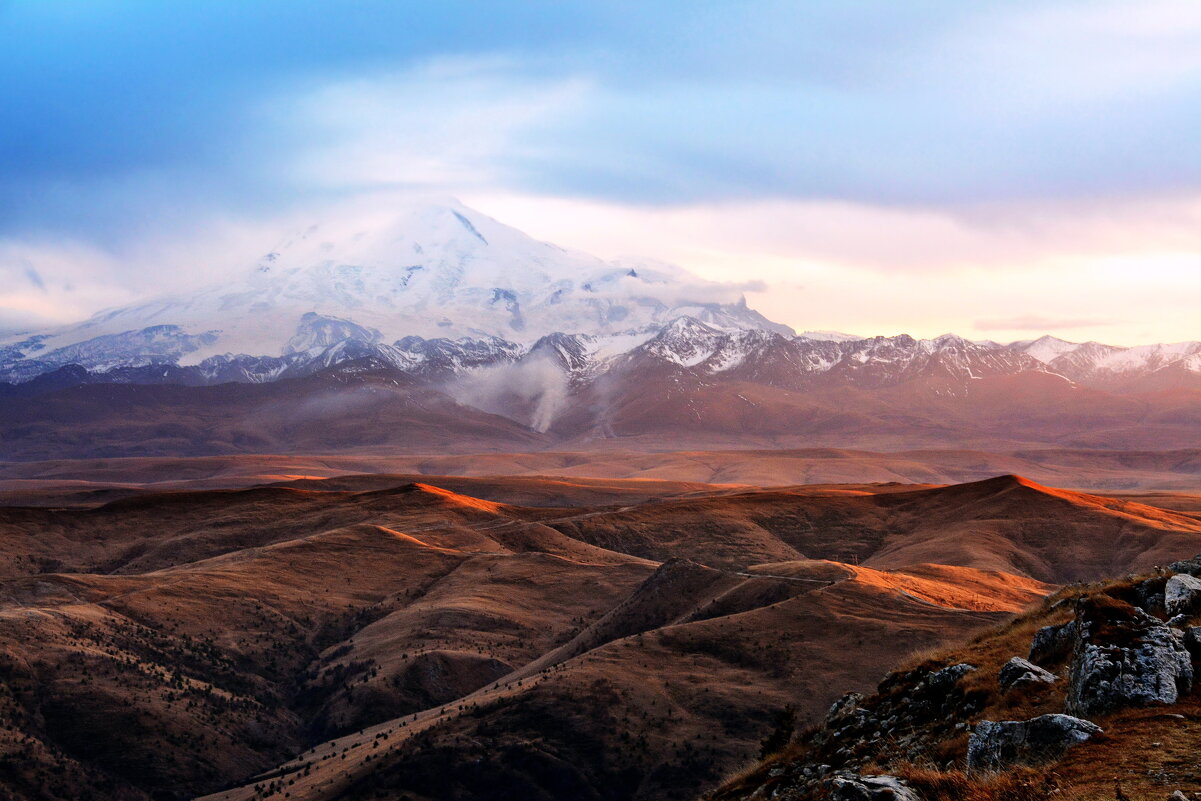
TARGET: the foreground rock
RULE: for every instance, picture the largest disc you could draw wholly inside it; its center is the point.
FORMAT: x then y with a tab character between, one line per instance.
1019	674
995	745
1053	644
1124	657
1192	641
852	787
1190	566
1182	595
909	710
1149	595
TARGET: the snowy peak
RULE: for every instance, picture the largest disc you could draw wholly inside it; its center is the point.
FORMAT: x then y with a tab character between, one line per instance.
685	342
1046	348
439	290
765	357
1109	366
440	271
316	333
572	353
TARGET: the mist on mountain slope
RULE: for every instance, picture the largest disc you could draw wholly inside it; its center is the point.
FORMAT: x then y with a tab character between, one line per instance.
533	391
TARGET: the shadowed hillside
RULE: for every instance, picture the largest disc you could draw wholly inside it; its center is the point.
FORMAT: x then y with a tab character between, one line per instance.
583	638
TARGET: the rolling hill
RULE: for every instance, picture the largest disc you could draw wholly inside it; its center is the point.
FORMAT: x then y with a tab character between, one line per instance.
367	635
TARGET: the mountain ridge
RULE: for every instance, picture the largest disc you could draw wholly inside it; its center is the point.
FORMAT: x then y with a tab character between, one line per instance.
444	287
455	323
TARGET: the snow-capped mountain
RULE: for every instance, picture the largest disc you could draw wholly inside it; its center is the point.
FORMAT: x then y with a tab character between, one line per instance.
771	359
1113	367
435	271
512	326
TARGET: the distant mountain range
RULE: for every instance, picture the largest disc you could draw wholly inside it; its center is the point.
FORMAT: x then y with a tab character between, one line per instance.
574	348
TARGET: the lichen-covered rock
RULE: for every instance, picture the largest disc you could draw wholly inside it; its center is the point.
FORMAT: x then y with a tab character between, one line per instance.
932	696
1192	641
1182	595
995	745
843	706
1123	657
1190	566
1148	595
1053	644
1018	674
852	787
949	676
910	711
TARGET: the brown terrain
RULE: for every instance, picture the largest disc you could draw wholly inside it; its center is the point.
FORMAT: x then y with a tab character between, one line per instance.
1147	752
613	474
371	636
640	403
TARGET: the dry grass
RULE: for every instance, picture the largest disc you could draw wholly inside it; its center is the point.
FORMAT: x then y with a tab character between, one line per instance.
1018	784
1147	752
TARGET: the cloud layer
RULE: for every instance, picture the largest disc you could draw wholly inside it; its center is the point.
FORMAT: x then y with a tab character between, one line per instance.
971	147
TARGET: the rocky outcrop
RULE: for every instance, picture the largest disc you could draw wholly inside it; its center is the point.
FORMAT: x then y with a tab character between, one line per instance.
852	787
909	711
1123	657
1053	644
1020	674
1148	595
1115	654
1192	641
995	745
1182	595
1190	566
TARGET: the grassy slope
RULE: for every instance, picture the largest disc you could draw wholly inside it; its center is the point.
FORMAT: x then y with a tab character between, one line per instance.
1148	752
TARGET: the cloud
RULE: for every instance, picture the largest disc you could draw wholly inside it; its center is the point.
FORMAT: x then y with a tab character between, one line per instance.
34	277
447	123
718	240
996	147
1036	322
224	110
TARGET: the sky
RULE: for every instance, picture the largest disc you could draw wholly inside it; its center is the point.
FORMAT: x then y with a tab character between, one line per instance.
997	169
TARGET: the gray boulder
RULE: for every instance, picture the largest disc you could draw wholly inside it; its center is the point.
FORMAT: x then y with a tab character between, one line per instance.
1190	566
844	706
1192	641
1123	657
1018	674
852	787
1053	644
1182	595
1148	595
995	745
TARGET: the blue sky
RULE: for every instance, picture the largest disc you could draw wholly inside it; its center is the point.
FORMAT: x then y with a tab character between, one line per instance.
857	147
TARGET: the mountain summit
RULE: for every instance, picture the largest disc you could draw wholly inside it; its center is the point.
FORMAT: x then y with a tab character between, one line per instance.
443	271
442	289
471	324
